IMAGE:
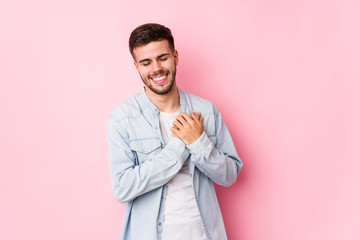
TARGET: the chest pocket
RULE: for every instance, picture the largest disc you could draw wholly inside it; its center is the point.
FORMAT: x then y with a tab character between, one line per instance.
145	148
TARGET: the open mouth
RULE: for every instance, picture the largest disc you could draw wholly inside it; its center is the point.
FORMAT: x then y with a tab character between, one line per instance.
160	79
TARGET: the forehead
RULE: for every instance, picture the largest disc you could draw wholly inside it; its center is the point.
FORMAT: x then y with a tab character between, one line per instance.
152	50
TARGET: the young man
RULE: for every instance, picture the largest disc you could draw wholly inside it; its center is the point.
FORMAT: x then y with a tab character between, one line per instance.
166	148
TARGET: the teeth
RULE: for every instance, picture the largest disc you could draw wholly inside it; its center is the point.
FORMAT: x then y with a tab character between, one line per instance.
159	78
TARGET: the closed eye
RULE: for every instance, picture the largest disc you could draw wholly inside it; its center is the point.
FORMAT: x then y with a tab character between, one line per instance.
145	63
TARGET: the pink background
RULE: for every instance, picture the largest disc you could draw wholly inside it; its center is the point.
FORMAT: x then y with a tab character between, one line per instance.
284	74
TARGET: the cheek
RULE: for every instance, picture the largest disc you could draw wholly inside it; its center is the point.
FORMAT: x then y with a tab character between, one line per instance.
170	66
143	72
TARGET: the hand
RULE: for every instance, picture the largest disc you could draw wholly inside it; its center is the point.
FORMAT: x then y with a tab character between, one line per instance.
188	128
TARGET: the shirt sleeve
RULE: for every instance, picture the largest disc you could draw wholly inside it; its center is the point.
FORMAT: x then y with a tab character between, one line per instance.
217	159
128	179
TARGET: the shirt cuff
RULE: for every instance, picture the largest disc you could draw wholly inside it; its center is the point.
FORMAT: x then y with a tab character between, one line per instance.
200	144
178	147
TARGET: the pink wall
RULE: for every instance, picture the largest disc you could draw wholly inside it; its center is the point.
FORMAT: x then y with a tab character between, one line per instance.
285	75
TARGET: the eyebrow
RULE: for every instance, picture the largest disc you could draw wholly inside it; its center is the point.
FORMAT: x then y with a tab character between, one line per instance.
160	56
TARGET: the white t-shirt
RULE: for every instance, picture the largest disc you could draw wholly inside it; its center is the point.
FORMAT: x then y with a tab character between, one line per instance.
181	215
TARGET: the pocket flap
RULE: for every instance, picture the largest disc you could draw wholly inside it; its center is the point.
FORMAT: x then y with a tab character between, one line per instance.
145	145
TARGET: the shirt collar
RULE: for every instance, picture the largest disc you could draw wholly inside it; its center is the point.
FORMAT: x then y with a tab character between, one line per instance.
146	102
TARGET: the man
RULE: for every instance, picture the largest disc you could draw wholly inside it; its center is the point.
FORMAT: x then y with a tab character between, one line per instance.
166	148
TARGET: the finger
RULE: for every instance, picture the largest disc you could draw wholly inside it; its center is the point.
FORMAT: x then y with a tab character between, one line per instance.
201	119
175	131
193	116
197	118
177	125
186	117
198	115
180	119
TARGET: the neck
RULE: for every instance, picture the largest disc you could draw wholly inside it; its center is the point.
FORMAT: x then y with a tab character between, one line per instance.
168	103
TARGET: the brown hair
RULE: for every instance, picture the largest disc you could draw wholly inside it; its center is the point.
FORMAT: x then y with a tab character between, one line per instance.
150	32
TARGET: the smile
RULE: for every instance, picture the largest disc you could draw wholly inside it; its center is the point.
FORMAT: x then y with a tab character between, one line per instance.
160	79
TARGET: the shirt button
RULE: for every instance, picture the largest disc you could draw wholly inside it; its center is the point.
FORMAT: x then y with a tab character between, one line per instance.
159	223
145	150
156	127
190	175
156	110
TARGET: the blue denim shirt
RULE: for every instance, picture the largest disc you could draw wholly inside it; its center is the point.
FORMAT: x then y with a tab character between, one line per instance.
141	164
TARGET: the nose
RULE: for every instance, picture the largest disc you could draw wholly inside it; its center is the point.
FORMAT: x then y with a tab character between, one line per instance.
156	67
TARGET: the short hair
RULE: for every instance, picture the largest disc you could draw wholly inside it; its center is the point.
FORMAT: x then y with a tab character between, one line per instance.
150	32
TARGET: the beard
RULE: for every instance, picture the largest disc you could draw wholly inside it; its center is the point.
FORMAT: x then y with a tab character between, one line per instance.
147	82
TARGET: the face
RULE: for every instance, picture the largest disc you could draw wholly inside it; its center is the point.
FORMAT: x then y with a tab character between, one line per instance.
156	64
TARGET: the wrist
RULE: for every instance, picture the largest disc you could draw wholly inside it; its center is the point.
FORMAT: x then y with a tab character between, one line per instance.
199	145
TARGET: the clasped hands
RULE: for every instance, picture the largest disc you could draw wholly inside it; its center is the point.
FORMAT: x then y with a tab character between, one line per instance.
188	128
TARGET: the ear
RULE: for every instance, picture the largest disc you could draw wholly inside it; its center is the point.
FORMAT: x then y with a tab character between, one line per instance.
176	56
136	65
